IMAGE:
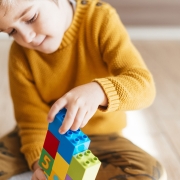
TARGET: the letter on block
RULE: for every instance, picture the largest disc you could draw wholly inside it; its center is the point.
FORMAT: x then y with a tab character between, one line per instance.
46	162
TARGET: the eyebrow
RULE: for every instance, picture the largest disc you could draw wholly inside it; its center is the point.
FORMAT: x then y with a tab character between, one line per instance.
23	13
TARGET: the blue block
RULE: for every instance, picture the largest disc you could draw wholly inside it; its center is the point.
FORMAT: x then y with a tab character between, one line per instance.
56	124
73	142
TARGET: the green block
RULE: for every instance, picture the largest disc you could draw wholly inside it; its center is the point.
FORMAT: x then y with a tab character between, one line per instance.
84	166
46	162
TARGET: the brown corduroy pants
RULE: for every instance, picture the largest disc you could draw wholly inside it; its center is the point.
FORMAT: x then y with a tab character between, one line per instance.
121	159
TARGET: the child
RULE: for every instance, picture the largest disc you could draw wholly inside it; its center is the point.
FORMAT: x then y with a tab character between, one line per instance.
77	55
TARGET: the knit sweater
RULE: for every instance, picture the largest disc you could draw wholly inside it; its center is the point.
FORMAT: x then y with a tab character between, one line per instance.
96	47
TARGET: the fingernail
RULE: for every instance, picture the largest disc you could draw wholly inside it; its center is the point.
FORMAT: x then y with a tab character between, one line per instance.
61	131
49	120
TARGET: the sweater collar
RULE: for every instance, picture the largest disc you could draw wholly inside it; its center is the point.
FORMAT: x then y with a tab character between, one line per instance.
72	31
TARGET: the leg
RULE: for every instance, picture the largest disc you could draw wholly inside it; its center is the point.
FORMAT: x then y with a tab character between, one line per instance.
122	160
12	162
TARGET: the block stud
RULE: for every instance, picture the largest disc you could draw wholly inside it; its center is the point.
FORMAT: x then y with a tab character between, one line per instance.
87	153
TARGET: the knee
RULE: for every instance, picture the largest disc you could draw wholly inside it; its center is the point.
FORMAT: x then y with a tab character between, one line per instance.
148	172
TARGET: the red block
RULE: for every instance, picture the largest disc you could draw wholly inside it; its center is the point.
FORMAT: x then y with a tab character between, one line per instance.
51	144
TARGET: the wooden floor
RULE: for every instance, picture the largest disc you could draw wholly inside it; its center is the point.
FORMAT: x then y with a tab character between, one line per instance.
155	129
158	127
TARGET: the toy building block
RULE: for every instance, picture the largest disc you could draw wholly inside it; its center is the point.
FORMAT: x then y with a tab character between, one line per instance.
73	142
51	144
60	166
46	162
56	124
84	166
66	157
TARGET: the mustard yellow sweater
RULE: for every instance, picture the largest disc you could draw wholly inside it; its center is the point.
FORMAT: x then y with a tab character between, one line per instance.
96	47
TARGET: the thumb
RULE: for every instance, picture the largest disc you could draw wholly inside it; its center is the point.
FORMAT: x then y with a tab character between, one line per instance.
58	105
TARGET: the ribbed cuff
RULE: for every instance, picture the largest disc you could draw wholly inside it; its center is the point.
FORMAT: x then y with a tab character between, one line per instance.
33	155
111	93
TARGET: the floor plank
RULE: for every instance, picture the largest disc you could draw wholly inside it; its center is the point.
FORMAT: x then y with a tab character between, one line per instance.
158	127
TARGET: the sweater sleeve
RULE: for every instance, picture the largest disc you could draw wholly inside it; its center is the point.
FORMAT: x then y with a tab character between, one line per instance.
131	84
30	111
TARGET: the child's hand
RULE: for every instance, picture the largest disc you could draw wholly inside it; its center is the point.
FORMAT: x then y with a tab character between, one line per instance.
38	172
38	175
81	104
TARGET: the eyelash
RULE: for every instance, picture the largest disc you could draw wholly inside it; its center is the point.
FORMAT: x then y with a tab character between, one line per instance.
28	22
32	19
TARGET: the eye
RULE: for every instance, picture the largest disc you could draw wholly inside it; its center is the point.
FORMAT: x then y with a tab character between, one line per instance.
32	19
28	22
12	32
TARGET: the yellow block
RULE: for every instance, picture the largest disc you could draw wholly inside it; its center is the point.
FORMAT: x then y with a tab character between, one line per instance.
53	176
60	166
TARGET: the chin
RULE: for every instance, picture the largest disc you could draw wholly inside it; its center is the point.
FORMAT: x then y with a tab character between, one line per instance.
48	50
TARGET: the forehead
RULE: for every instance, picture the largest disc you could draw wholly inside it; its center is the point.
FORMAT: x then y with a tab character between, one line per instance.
10	13
15	6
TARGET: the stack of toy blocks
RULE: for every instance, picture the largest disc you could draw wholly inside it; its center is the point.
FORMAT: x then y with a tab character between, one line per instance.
66	157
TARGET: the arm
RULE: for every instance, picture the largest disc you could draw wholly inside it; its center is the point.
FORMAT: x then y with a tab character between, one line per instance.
30	110
130	85
131	79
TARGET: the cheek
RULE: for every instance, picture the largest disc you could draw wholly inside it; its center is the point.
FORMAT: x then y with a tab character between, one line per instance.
52	28
49	22
18	39
46	26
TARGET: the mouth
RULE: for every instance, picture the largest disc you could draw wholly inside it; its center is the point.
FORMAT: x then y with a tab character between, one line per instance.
39	43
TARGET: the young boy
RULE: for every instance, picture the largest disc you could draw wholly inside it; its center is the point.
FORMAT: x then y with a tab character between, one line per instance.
77	55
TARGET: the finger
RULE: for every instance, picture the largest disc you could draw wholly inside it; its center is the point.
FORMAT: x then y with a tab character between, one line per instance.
87	117
58	105
69	119
39	175
78	119
34	177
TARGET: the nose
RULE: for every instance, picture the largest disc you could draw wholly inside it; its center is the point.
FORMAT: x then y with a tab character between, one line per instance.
28	35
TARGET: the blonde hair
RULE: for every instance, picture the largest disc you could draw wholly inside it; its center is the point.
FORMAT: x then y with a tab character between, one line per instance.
7	3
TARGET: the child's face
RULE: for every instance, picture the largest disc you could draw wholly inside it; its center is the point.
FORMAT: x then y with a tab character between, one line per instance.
36	24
